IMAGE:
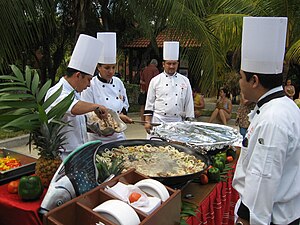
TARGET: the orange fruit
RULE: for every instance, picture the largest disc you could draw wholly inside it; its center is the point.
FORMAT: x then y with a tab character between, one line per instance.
134	196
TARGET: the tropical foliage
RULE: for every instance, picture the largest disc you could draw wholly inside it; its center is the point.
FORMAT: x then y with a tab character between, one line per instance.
23	107
52	28
22	103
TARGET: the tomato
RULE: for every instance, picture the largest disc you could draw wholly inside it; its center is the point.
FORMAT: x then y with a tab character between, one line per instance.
12	186
229	159
134	196
203	178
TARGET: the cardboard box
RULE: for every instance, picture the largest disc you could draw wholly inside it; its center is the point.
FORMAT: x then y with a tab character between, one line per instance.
79	211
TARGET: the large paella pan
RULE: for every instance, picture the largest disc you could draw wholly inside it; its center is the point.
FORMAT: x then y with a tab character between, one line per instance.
166	176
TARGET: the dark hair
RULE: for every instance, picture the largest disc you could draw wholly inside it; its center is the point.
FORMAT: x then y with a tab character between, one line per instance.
268	81
71	71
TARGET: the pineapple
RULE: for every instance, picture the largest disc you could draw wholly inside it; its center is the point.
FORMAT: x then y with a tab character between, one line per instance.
23	107
47	141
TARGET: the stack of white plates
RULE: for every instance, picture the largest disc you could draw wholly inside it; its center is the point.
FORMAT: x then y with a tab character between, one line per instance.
153	188
118	212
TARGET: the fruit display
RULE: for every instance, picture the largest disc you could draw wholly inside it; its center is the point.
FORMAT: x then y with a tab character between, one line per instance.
7	163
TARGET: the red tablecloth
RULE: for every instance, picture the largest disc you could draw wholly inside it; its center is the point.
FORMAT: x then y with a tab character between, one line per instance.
14	211
217	208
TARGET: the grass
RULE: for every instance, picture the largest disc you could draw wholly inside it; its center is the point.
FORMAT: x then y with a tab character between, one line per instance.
10	134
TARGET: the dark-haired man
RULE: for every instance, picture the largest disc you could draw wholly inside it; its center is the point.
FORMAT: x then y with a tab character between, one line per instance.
169	97
267	175
79	74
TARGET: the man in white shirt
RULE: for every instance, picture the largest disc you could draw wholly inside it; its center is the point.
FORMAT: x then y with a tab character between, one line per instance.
169	97
267	175
79	74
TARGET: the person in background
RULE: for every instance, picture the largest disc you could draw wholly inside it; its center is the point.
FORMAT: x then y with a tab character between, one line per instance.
199	102
243	110
107	89
146	75
289	89
223	108
79	74
267	175
169	97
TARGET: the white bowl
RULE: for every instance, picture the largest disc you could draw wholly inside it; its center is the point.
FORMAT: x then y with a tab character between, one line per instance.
118	212
154	188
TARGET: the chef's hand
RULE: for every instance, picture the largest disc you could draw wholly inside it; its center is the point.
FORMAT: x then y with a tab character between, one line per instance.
125	118
101	112
148	127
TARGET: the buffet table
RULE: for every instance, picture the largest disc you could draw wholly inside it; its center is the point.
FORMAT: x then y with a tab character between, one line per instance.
13	211
215	204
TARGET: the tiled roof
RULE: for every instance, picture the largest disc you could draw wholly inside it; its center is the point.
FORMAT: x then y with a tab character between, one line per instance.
161	37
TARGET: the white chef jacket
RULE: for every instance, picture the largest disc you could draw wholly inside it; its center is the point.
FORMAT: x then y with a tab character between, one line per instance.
170	98
267	175
76	131
111	95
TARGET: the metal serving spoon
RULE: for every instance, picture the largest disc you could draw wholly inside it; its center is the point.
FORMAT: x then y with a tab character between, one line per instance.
143	122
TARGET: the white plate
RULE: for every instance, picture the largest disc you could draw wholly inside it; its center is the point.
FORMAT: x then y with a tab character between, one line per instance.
154	188
118	212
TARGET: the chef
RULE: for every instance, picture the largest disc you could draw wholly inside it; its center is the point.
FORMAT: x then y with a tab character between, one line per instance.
79	73
169	97
107	89
267	175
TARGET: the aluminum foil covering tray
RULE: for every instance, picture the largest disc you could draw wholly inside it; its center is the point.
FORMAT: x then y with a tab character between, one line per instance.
199	135
27	167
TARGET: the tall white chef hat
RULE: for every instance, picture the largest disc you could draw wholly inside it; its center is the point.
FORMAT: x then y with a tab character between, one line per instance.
85	54
108	52
171	50
263	44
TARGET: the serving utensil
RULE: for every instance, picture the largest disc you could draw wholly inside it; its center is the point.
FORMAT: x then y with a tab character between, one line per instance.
143	122
108	130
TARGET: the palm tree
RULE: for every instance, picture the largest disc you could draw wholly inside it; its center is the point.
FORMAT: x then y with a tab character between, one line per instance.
216	25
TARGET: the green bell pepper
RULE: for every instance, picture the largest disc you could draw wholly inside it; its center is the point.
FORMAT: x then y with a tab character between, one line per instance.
219	164
219	158
214	174
30	188
222	155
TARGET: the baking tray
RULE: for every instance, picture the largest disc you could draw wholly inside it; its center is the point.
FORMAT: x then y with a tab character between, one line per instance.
27	167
